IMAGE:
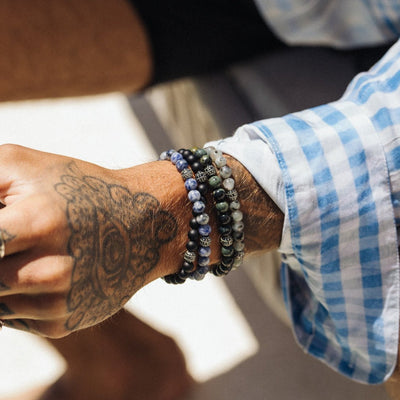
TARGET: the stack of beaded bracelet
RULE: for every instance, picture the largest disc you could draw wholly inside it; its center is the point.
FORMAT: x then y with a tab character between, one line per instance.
191	166
197	170
230	218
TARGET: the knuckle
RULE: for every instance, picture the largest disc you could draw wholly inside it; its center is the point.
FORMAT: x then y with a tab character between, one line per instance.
9	150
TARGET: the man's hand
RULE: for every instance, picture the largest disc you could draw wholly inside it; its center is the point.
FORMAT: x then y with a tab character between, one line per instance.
79	243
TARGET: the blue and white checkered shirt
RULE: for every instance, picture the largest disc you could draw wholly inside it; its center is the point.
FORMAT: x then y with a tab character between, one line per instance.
335	172
339	23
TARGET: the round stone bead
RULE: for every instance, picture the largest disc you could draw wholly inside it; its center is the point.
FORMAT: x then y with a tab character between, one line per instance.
198	207
209	149
193	234
203	219
191	184
234	205
225	229
214	154
220	161
238	226
204	251
238	235
190	158
205	160
228	183
187	266
198	276
219	194
227	251
232	195
186	153
203	269
222	206
193	149
224	219
226	240
214	181
186	173
181	165
210	170
193	223
202	188
196	166
227	261
237	216
200	153
194	195
189	256
237	262
164	156
205	241
191	245
201	177
203	261
204	230
238	246
176	157
225	172
170	152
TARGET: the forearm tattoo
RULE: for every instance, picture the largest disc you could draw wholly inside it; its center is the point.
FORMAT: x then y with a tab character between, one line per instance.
115	241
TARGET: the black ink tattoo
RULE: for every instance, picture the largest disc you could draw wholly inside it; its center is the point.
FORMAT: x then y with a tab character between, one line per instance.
19	324
5	310
115	241
3	287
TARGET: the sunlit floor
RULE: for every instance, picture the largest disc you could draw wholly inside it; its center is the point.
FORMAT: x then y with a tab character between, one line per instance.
103	130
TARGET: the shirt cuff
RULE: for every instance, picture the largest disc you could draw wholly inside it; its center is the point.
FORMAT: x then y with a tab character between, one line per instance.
257	157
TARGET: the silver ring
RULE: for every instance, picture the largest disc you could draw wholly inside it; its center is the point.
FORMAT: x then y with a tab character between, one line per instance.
2	245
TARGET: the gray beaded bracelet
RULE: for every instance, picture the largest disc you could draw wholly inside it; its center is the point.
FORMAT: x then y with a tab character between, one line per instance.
231	226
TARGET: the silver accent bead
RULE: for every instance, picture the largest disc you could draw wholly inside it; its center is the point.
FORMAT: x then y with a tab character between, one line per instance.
232	195
201	177
189	256
205	241
226	240
186	173
210	170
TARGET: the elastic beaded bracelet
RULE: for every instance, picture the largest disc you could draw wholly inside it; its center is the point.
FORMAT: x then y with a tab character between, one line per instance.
199	229
231	226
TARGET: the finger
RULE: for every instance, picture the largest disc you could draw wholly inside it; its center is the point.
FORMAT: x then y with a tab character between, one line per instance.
31	222
39	307
31	273
50	329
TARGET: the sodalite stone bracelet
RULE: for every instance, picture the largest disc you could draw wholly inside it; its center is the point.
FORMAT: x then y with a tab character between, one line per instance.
203	169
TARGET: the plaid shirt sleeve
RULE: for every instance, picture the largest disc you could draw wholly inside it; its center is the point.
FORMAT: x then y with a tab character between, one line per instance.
338	23
336	173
